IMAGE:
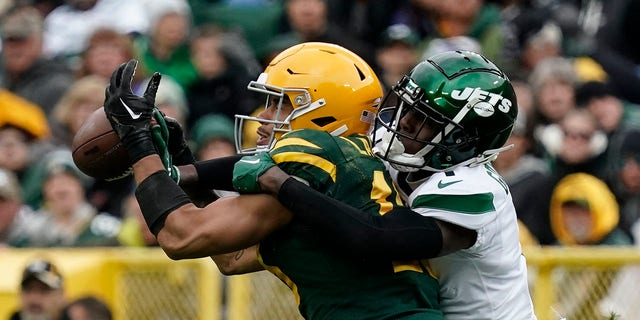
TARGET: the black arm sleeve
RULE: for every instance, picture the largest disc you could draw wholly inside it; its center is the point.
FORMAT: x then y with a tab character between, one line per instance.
158	196
216	173
399	234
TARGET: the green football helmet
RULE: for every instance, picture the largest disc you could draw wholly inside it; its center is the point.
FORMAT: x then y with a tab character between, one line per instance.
462	103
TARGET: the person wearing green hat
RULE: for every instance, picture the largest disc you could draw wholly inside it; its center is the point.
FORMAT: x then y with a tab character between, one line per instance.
212	136
396	54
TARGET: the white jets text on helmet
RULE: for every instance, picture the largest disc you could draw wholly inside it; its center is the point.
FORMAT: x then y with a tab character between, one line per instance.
488	100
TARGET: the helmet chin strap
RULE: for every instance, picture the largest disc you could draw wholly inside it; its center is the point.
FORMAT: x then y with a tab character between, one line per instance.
393	150
487	156
396	155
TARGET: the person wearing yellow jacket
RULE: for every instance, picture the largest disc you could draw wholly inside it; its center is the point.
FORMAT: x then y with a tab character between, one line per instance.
585	212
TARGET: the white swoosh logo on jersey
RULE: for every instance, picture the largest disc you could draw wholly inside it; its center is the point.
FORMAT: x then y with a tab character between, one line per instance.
256	161
133	115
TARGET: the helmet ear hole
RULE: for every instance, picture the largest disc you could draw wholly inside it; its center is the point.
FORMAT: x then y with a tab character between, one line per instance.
360	73
458	137
323	121
462	146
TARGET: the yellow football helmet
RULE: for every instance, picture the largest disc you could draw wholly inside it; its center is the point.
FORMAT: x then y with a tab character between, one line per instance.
330	88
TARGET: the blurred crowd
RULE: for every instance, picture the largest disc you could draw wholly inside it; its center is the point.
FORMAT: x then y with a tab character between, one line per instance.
574	172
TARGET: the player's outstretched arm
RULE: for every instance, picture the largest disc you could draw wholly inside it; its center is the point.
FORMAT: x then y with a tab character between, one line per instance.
209	174
183	230
399	234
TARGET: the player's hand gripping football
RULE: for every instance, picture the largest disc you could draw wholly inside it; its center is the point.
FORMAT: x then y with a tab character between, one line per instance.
129	114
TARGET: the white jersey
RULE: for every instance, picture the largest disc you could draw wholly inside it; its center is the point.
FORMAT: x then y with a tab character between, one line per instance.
489	279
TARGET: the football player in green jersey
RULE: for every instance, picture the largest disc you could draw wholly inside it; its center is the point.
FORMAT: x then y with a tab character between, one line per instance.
441	126
333	95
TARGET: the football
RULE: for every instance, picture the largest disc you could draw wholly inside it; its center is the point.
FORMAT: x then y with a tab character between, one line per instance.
97	150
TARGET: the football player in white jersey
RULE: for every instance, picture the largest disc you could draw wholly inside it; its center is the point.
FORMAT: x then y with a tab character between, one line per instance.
438	130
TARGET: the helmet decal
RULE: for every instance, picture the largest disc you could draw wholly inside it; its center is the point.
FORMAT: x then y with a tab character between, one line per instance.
483	109
489	98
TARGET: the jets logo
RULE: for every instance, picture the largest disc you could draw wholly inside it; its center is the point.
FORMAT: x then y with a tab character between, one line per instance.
488	101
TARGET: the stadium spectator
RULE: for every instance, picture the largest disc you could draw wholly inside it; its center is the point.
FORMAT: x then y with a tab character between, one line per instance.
474	25
44	6
308	21
525	173
553	83
616	48
107	196
15	216
134	231
20	113
524	94
364	20
42	293
104	51
396	54
164	48
625	183
81	100
66	218
222	76
575	144
612	113
538	36
255	21
584	212
88	308
68	27
212	136
170	99
25	70
24	132
455	43
615	118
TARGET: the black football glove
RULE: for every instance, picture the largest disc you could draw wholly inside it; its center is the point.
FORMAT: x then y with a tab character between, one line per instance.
177	144
129	114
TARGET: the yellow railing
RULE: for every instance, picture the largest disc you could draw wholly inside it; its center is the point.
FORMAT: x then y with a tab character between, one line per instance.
572	282
135	283
143	284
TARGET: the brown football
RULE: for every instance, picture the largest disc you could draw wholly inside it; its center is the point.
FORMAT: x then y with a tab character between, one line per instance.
97	150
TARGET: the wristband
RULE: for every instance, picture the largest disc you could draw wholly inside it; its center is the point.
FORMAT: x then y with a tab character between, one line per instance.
158	195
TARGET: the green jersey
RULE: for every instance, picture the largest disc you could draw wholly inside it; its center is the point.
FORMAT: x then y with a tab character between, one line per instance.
329	285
